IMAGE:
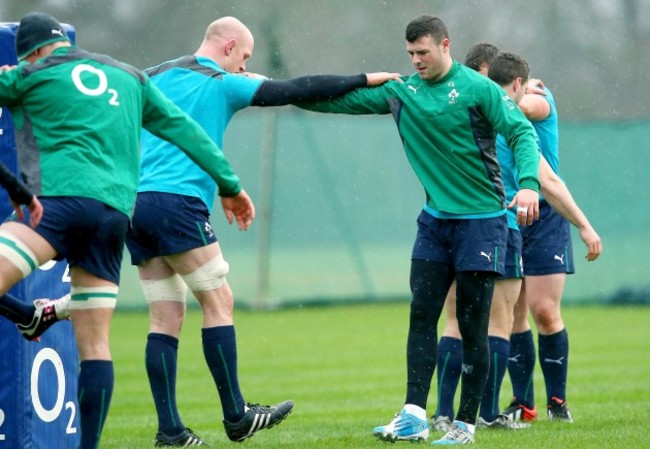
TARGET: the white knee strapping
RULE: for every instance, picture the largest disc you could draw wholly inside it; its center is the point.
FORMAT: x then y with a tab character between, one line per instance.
93	297
210	276
171	288
16	252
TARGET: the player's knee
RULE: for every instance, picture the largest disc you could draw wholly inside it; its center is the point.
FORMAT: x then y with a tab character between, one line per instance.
171	288
209	276
17	253
103	297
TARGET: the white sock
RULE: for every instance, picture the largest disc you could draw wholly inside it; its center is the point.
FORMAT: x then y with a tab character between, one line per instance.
416	410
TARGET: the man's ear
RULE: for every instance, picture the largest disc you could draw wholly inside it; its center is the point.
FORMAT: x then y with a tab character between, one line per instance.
519	84
230	45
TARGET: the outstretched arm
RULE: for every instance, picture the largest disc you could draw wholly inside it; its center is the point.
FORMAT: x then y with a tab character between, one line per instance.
314	88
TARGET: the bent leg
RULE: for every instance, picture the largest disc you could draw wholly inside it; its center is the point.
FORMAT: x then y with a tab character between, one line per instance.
22	250
204	270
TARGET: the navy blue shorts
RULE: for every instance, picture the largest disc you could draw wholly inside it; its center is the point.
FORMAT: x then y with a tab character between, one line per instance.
468	244
547	244
514	261
167	223
86	232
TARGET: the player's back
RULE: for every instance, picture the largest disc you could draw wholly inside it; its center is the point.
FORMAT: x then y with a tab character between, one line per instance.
211	96
86	115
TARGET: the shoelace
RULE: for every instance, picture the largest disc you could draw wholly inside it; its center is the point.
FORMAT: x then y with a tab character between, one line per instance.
456	433
259	408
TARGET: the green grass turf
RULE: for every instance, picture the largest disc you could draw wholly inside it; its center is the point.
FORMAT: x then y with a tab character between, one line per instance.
345	369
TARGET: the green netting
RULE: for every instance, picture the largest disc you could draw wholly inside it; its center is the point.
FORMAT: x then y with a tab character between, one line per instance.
344	204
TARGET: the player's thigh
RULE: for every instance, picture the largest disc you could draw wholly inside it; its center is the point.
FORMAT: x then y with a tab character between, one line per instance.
544	292
36	243
154	269
189	261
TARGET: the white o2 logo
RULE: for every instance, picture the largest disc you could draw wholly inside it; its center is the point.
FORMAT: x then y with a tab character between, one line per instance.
101	87
51	264
50	355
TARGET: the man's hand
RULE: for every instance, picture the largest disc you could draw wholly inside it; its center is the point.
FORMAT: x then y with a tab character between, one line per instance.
592	241
253	75
379	78
527	203
239	207
535	86
35	212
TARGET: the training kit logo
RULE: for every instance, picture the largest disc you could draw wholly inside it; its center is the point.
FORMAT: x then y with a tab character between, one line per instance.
511	104
452	96
486	255
59	32
208	229
556	361
415	91
560	258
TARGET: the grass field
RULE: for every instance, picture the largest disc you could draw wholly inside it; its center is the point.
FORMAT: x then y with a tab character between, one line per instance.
345	369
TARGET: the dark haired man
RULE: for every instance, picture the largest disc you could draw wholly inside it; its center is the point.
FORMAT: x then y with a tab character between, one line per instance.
511	72
447	116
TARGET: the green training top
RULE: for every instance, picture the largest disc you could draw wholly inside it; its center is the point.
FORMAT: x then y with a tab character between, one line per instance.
87	111
448	129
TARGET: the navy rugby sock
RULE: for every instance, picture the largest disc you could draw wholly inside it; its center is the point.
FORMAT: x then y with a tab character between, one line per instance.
95	390
499	352
16	310
554	359
220	351
161	363
521	367
450	359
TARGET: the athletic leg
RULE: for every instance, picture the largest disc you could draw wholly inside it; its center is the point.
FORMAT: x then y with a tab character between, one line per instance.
165	294
430	282
93	301
506	292
474	297
544	297
521	363
22	250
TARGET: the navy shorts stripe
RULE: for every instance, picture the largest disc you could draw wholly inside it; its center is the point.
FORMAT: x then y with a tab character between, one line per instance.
514	261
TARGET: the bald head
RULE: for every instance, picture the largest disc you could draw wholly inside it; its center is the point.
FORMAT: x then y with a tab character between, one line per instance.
229	42
225	28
